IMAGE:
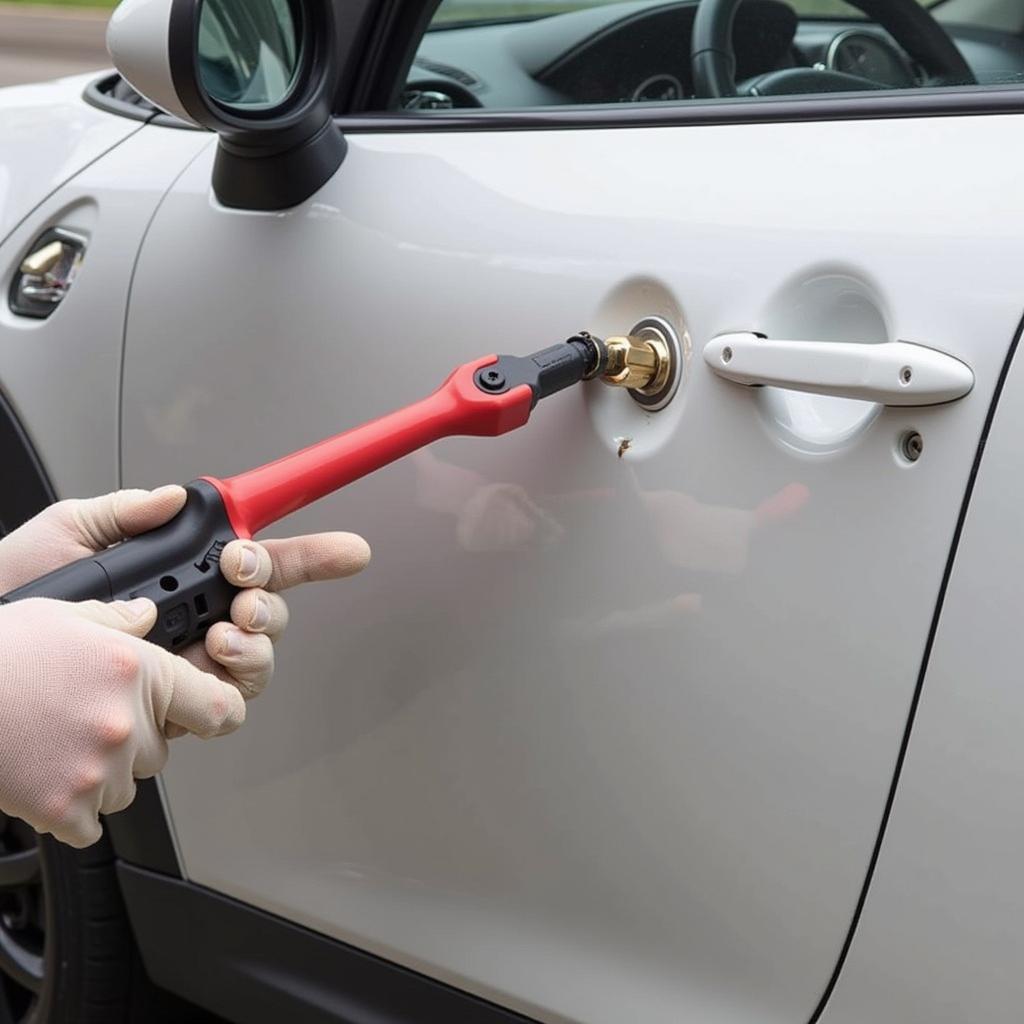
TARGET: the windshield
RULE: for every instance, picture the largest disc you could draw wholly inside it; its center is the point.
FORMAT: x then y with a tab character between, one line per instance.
459	12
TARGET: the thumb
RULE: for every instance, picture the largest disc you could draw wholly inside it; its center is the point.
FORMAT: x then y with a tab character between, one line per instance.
136	618
109	519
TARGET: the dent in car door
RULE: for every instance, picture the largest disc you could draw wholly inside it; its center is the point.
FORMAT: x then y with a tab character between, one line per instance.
608	726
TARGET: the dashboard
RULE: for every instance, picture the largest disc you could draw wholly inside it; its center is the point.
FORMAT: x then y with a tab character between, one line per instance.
638	52
872	56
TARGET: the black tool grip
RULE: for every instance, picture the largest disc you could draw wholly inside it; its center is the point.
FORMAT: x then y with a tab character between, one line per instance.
177	566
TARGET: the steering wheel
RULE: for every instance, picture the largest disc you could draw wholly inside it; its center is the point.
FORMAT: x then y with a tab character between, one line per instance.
713	58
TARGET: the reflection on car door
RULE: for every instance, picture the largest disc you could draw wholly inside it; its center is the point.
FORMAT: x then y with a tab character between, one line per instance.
606	731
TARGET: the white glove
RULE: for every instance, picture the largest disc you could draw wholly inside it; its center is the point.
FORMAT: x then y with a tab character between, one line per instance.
83	705
39	748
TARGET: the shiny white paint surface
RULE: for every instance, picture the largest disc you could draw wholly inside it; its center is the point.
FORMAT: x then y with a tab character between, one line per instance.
890	373
600	738
47	134
137	39
941	939
63	374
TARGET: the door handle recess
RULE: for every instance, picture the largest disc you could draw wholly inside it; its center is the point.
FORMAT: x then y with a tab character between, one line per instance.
892	373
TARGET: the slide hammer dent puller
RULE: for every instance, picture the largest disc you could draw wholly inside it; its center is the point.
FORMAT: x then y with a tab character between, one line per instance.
177	565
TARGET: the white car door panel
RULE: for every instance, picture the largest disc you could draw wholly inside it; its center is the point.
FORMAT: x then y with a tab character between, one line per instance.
940	939
612	718
49	135
67	368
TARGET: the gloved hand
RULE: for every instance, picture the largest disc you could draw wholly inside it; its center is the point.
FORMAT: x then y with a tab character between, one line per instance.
83	707
67	671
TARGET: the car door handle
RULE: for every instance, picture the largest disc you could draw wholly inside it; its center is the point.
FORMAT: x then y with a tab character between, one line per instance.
891	373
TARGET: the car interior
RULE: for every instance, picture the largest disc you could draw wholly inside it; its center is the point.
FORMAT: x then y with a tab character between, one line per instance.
642	51
507	55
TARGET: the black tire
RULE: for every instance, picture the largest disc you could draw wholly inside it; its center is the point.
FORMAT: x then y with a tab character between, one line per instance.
67	955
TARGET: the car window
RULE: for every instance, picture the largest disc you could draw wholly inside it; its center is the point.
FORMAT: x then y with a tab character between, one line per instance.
456	12
527	54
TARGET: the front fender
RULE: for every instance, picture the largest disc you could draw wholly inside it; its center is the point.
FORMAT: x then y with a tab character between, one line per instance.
48	134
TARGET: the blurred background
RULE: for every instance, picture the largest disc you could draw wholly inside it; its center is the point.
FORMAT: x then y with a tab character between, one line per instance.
39	41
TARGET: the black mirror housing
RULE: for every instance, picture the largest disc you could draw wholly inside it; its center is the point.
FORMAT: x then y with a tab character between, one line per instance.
278	143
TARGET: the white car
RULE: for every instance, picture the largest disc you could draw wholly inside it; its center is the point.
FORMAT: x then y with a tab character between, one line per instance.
710	712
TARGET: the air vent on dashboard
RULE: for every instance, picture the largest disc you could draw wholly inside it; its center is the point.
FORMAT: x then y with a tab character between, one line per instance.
436	68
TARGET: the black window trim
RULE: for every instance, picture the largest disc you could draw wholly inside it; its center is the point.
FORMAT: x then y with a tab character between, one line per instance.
952	101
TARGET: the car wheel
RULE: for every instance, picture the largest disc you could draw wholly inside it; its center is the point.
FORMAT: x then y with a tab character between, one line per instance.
67	955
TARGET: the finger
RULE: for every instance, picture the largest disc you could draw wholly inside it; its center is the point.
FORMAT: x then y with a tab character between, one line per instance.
199	656
113	517
197	701
248	657
151	756
79	829
117	798
151	762
319	556
258	611
245	563
136	618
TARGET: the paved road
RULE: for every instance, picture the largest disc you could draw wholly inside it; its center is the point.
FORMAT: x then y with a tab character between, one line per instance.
37	43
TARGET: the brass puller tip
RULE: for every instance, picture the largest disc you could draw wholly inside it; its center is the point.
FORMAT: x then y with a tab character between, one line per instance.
643	365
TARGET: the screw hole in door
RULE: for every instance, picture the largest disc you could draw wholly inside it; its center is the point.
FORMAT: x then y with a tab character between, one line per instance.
906	375
726	354
911	445
168	583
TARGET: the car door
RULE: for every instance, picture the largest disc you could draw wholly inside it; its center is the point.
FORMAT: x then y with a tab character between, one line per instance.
609	728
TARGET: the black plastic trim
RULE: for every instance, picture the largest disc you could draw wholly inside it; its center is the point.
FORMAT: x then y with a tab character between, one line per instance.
546	372
947	102
916	700
26	488
182	43
141	835
267	159
246	179
391	31
97	94
251	967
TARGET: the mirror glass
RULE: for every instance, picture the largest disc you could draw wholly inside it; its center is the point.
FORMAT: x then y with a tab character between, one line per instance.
248	52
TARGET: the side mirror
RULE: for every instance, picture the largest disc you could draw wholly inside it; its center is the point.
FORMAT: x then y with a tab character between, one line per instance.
260	73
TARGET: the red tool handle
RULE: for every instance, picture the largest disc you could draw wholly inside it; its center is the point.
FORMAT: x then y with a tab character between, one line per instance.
261	496
175	565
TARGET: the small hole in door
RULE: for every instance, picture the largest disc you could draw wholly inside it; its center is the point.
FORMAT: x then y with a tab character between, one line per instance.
168	583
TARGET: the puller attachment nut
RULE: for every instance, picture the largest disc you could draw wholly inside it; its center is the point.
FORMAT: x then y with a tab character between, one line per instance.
639	364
